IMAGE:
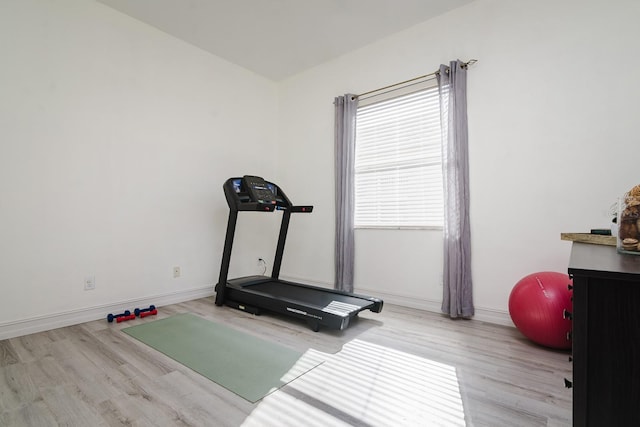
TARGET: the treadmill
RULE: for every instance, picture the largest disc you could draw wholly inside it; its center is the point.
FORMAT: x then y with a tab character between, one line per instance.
317	306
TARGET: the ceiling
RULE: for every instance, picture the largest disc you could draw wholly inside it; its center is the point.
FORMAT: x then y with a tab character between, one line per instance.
280	38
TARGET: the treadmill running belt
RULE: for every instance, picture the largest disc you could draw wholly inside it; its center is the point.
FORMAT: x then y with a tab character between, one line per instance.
327	300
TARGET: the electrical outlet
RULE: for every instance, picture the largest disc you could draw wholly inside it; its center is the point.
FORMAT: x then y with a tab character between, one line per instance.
262	264
89	283
176	272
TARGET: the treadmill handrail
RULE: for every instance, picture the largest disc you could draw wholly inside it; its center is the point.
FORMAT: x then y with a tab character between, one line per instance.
257	206
304	209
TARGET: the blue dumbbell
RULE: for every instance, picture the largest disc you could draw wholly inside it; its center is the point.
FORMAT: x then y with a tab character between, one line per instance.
137	311
111	317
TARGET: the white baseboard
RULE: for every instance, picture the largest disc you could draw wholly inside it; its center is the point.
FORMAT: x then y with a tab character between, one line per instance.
73	317
497	317
32	325
488	315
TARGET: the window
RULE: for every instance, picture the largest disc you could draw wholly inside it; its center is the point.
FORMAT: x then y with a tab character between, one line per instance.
398	162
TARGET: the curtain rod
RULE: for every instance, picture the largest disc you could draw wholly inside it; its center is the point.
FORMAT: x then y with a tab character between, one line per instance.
464	64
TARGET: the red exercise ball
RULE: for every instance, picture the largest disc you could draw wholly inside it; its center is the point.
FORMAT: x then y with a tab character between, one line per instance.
536	306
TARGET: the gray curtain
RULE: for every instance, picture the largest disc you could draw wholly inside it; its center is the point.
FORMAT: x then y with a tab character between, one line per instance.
345	134
457	299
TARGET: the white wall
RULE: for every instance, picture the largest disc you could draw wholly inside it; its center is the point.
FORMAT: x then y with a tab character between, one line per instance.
115	140
553	112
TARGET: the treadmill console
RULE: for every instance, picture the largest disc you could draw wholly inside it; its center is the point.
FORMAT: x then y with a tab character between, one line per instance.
252	193
259	190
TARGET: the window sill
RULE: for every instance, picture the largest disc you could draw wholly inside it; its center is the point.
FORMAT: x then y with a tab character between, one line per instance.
370	227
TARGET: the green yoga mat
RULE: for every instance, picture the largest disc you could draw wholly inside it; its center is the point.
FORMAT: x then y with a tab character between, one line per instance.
246	365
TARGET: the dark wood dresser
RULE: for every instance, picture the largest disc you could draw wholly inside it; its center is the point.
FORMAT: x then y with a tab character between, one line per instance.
606	336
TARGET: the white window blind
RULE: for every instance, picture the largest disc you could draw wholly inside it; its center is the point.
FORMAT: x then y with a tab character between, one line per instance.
398	164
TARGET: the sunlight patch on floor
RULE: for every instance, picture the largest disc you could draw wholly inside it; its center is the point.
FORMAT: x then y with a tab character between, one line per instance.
367	384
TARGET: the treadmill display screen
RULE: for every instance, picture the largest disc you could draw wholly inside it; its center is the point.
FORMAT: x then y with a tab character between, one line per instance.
237	186
237	183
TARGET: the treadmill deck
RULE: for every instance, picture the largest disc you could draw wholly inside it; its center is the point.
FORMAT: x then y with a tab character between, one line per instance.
319	306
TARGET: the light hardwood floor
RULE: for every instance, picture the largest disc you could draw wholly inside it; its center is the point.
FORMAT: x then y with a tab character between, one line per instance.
95	375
